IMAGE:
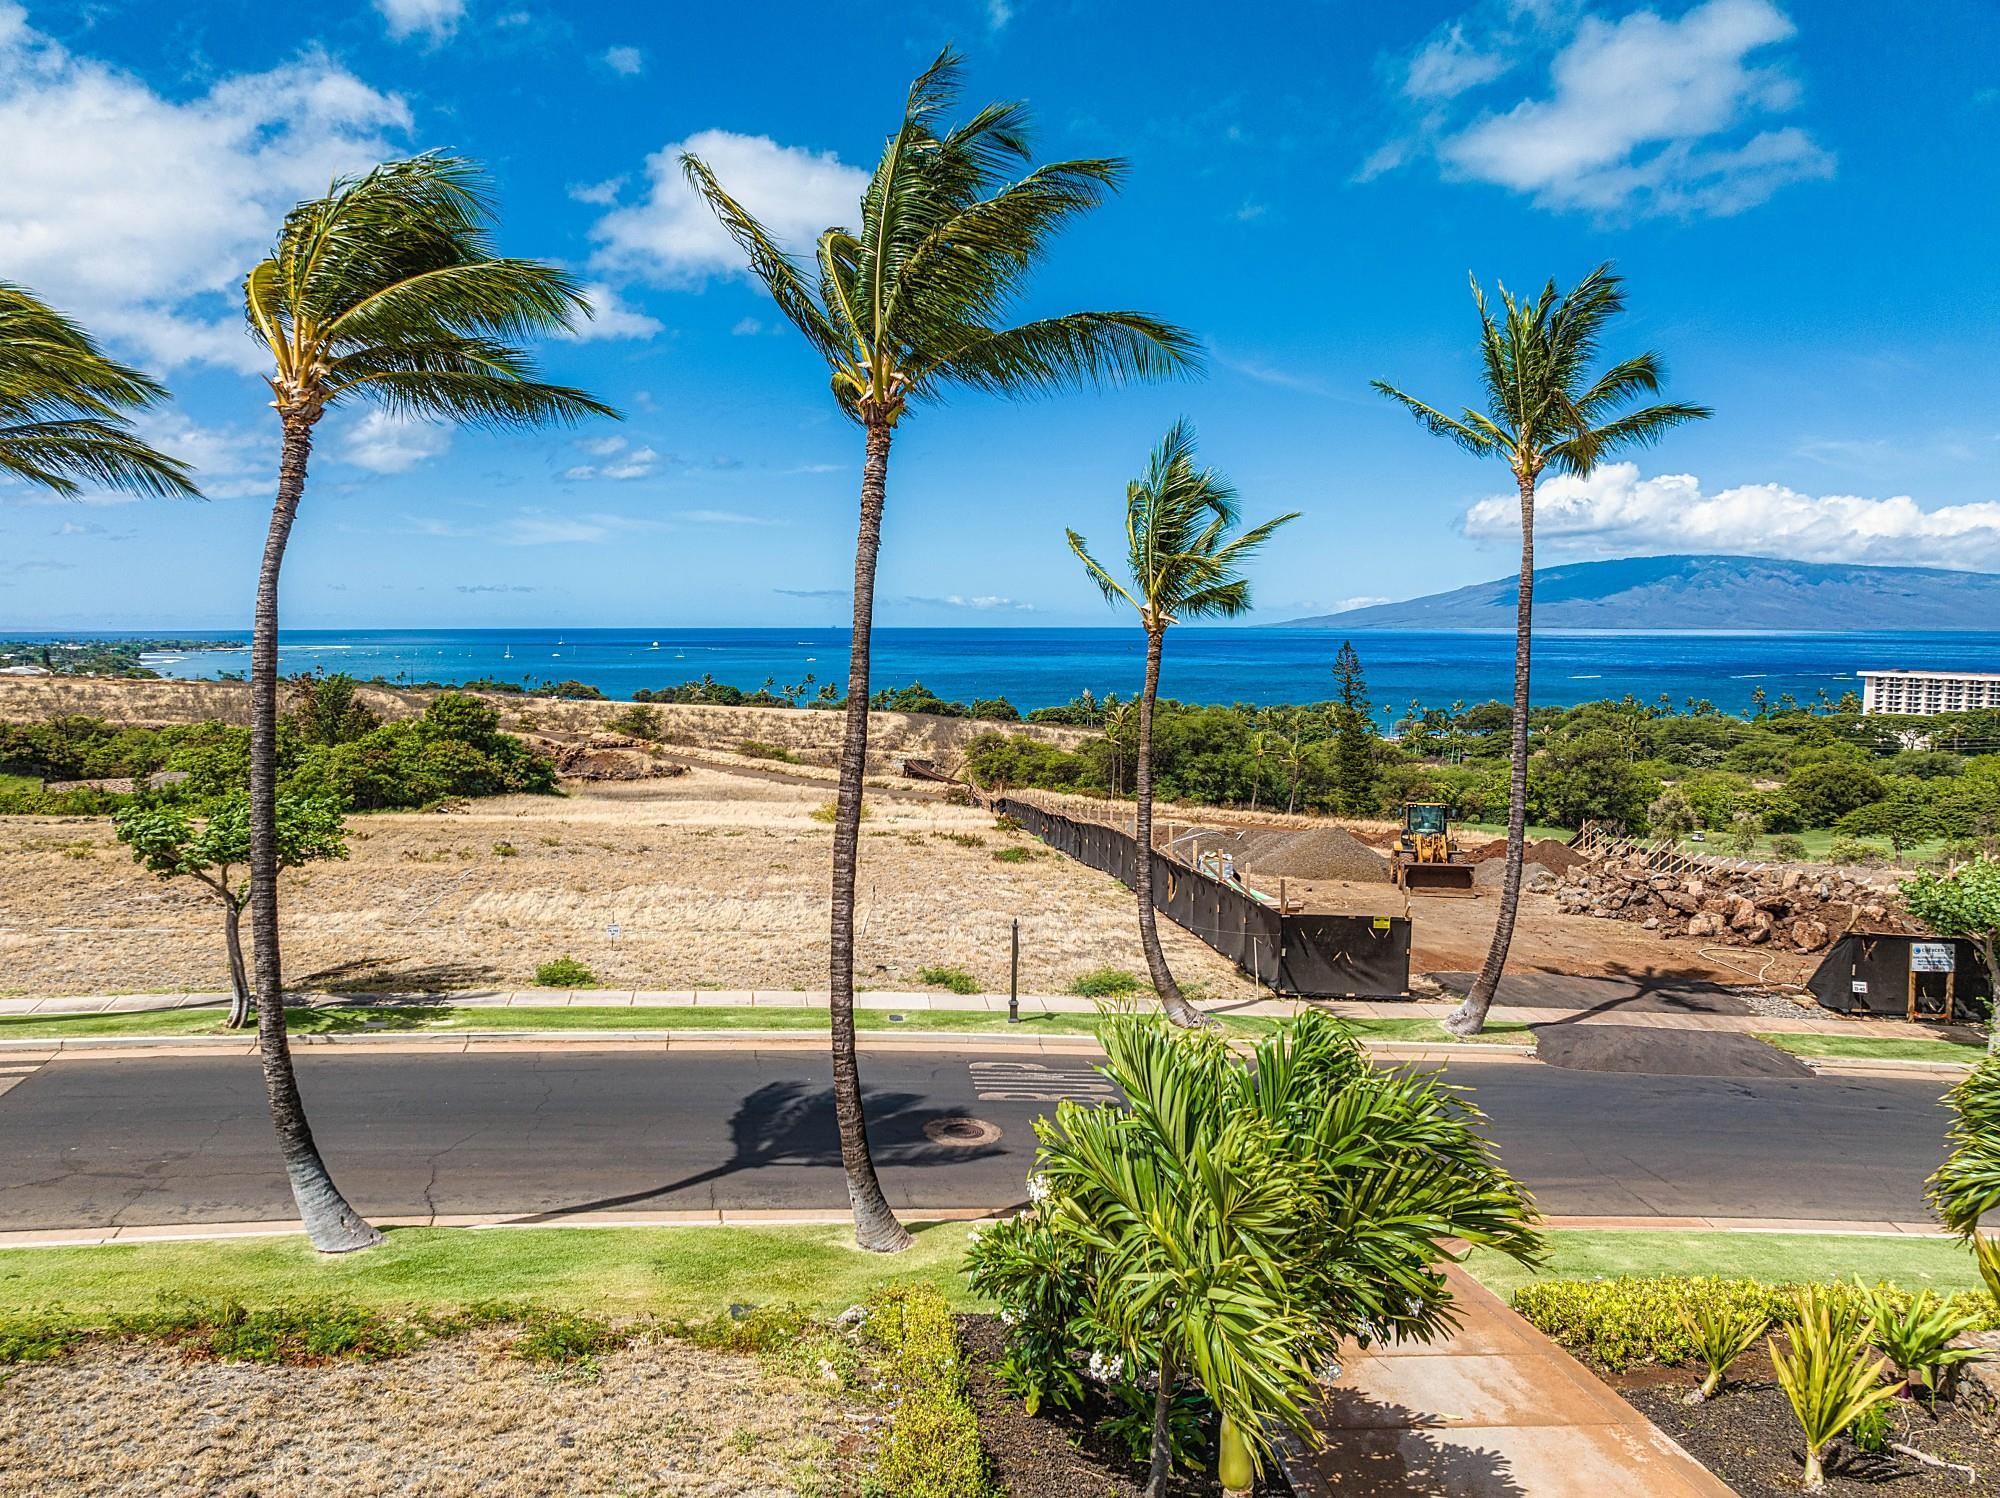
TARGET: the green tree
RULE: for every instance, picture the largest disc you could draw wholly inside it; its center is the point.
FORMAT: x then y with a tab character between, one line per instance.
1590	777
386	290
1545	409
1828	790
1354	743
171	842
325	709
1229	1225
1965	902
65	408
1671	814
907	307
1183	562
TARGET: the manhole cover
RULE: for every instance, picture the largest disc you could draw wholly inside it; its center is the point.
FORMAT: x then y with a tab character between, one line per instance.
965	1133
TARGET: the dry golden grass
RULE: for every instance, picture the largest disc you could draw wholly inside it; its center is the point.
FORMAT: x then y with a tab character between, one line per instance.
814	736
716	880
456	1419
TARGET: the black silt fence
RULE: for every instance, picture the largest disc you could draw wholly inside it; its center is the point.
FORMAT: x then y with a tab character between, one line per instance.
1310	956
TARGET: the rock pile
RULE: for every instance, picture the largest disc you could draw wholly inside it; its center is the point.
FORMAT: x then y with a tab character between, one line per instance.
606	756
1806	910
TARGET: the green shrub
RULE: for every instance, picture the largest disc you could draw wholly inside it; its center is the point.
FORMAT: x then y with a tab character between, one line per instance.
1723	1331
932	1448
569	1341
504	850
1789	846
639	722
829	812
35	1337
1012	855
1916	1336
1105	983
957	979
565	972
1616	1323
758	749
961	839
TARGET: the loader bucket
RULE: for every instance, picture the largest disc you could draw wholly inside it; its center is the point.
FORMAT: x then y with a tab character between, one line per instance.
1436	878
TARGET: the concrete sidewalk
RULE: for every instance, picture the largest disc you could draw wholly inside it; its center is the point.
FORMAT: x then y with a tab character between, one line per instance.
1498	1409
1808	1021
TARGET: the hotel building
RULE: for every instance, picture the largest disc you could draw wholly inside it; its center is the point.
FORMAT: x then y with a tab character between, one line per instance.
1926	692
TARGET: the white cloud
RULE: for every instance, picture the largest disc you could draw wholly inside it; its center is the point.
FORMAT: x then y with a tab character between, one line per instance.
747	327
673	237
722	517
638	463
1615	512
436	19
1449	64
627	62
998	14
88	223
603	447
1641	115
983	602
534	528
603	194
611	318
382	442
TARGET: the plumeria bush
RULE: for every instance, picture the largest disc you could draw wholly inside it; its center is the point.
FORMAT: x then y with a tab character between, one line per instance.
1201	1251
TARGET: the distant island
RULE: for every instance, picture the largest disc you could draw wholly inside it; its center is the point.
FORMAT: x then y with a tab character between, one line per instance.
1703	593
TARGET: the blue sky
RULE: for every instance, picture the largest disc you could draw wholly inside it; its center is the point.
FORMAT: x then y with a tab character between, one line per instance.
1803	197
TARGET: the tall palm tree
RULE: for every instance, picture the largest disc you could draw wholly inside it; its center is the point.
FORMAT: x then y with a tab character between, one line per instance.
1183	564
1545	409
904	308
386	289
64	407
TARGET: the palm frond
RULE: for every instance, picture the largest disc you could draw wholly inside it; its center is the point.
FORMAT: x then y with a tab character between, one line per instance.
1584	450
62	456
1054	353
769	263
1113	591
1464	432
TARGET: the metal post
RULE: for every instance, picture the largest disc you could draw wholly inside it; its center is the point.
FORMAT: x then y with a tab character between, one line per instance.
1014	978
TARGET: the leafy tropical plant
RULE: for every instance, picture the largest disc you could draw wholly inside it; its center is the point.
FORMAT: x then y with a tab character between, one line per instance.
172	842
1184	561
1545	408
903	309
65	408
1225	1228
1723	1332
1828	1374
1916	1336
385	290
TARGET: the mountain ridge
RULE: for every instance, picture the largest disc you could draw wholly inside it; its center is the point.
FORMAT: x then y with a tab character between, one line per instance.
1701	592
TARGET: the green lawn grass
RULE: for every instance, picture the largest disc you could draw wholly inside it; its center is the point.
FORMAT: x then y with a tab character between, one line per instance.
10	783
1877	1048
1776	1258
1466	832
689	1272
434	1019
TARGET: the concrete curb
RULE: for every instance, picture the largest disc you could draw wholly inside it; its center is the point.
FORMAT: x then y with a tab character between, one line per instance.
1885	1066
217	1232
459	1042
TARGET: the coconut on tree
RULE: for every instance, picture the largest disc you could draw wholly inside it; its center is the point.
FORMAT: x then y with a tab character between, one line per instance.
66	409
1548	408
905	307
1183	561
385	291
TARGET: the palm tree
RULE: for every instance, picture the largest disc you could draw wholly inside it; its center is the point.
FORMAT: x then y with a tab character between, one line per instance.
1183	565
1119	725
64	405
386	289
1544	410
905	308
1260	750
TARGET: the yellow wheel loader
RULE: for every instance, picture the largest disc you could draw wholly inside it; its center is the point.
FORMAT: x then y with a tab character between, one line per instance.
1422	861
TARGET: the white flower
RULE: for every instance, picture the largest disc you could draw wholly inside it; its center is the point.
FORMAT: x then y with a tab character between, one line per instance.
1107	1370
1039	1189
1009	1316
972	1236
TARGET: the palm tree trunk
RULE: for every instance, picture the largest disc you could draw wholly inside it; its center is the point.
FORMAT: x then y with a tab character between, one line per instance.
1470	1017
1160	1463
875	1226
239	982
1179	1010
333	1225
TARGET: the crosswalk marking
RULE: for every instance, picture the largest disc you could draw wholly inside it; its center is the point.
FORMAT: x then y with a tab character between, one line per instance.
1031	1082
14	1073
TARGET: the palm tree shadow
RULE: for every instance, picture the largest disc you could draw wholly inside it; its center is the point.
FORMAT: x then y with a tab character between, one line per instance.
793	1123
1379	1449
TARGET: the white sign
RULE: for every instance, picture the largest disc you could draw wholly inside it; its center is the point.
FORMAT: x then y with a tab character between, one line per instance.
1861	985
1932	957
612	930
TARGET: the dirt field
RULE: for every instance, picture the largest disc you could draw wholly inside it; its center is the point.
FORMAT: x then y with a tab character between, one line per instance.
715	879
453	1420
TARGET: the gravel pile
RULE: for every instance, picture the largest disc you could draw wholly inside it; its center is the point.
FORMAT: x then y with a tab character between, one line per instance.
1308	853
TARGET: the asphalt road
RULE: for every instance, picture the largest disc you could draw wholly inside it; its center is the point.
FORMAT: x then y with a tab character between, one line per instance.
90	1143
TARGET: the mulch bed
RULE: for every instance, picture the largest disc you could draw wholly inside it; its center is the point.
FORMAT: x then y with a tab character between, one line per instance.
1746	1435
1061	1455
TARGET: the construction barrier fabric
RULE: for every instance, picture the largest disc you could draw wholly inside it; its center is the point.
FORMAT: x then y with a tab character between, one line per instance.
1875	974
1311	956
